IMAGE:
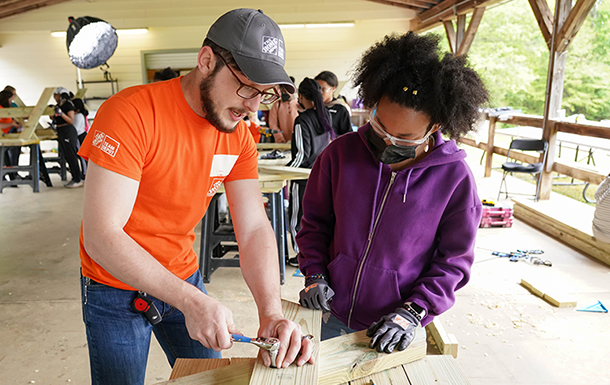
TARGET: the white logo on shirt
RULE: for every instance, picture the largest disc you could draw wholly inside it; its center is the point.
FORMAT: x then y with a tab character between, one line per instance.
221	167
105	143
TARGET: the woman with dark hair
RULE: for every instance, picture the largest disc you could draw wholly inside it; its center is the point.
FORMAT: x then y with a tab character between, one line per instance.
63	121
8	126
392	255
312	133
337	107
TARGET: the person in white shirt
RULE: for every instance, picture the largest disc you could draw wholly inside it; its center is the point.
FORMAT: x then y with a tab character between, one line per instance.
601	219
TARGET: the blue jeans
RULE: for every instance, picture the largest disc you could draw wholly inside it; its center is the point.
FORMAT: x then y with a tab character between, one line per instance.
119	338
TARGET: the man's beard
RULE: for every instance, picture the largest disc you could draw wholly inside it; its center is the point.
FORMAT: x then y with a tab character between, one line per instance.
209	107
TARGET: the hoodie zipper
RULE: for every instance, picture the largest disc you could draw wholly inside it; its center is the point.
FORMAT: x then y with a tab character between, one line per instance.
368	246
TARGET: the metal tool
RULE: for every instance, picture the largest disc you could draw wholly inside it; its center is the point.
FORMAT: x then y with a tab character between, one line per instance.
272	345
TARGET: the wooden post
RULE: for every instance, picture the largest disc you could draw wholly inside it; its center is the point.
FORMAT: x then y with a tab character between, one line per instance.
554	93
490	145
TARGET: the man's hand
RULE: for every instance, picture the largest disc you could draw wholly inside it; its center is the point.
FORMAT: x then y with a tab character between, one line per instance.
316	294
291	342
392	330
209	322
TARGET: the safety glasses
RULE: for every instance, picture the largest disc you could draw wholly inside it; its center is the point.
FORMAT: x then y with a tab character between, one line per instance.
248	92
396	141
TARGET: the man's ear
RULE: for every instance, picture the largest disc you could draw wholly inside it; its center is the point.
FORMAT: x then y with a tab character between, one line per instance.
206	60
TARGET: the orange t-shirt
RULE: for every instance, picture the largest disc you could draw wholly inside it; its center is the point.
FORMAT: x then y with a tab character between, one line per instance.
6	120
150	134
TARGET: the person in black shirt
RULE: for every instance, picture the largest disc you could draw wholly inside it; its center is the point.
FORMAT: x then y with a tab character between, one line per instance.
328	82
312	133
66	133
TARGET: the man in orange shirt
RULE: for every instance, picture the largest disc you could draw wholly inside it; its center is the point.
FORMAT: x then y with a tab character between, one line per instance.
157	155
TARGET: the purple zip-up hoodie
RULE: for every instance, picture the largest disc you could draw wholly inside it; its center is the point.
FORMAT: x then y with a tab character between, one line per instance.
383	237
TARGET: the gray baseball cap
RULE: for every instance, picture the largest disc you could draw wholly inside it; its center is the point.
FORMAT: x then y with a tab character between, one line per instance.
256	43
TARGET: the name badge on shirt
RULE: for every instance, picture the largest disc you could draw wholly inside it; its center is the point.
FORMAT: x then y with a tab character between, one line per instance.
221	167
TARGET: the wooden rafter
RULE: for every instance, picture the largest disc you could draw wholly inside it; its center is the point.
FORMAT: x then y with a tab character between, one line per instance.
397	4
422	4
12	7
544	17
459	38
473	26
446	11
572	25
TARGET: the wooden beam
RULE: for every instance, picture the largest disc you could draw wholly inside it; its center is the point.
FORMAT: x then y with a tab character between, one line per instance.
584	129
549	292
446	342
451	36
572	24
234	374
396	4
22	112
460	29
30	126
420	4
436	10
348	357
432	20
473	26
434	370
25	6
560	225
491	134
544	17
310	321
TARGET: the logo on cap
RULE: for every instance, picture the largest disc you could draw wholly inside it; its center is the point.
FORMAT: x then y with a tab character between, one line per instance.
273	46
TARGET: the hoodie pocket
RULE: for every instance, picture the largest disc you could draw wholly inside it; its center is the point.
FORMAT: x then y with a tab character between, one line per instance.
377	294
342	274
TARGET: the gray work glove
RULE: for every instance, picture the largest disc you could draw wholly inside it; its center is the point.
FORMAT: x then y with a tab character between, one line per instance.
396	329
316	295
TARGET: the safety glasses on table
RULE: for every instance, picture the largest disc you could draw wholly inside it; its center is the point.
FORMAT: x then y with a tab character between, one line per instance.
248	92
396	141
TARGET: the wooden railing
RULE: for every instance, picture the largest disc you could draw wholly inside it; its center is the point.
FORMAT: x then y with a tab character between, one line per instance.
590	129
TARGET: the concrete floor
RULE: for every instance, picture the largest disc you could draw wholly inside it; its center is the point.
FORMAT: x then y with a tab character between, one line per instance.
506	335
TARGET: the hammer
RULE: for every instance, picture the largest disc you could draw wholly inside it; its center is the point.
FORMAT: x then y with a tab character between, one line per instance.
270	344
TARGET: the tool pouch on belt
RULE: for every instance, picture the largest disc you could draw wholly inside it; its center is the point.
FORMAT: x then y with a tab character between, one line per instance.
144	305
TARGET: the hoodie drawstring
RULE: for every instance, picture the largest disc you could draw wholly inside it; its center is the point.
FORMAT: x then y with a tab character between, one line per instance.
404	197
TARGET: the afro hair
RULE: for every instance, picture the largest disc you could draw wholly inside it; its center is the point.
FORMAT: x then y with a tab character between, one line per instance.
411	71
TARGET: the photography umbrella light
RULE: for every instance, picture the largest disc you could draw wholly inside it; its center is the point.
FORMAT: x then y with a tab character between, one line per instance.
90	41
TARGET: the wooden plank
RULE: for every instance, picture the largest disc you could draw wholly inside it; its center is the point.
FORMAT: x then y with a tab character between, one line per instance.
396	4
435	370
290	172
473	26
544	17
187	366
586	129
393	376
578	238
572	24
236	374
310	321
25	6
445	343
451	36
435	20
80	93
348	357
548	292
454	345
29	127
273	146
524	120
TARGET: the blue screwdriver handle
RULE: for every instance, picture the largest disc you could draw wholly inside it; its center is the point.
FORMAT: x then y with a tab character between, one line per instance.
240	338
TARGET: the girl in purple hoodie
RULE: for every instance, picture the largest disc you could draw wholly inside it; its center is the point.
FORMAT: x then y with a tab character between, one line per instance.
390	212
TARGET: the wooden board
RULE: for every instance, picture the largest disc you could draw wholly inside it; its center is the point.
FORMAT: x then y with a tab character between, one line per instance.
394	376
549	292
273	146
235	374
348	357
310	321
435	370
446	342
575	230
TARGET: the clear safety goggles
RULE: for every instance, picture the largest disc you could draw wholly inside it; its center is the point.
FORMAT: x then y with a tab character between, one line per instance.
396	141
